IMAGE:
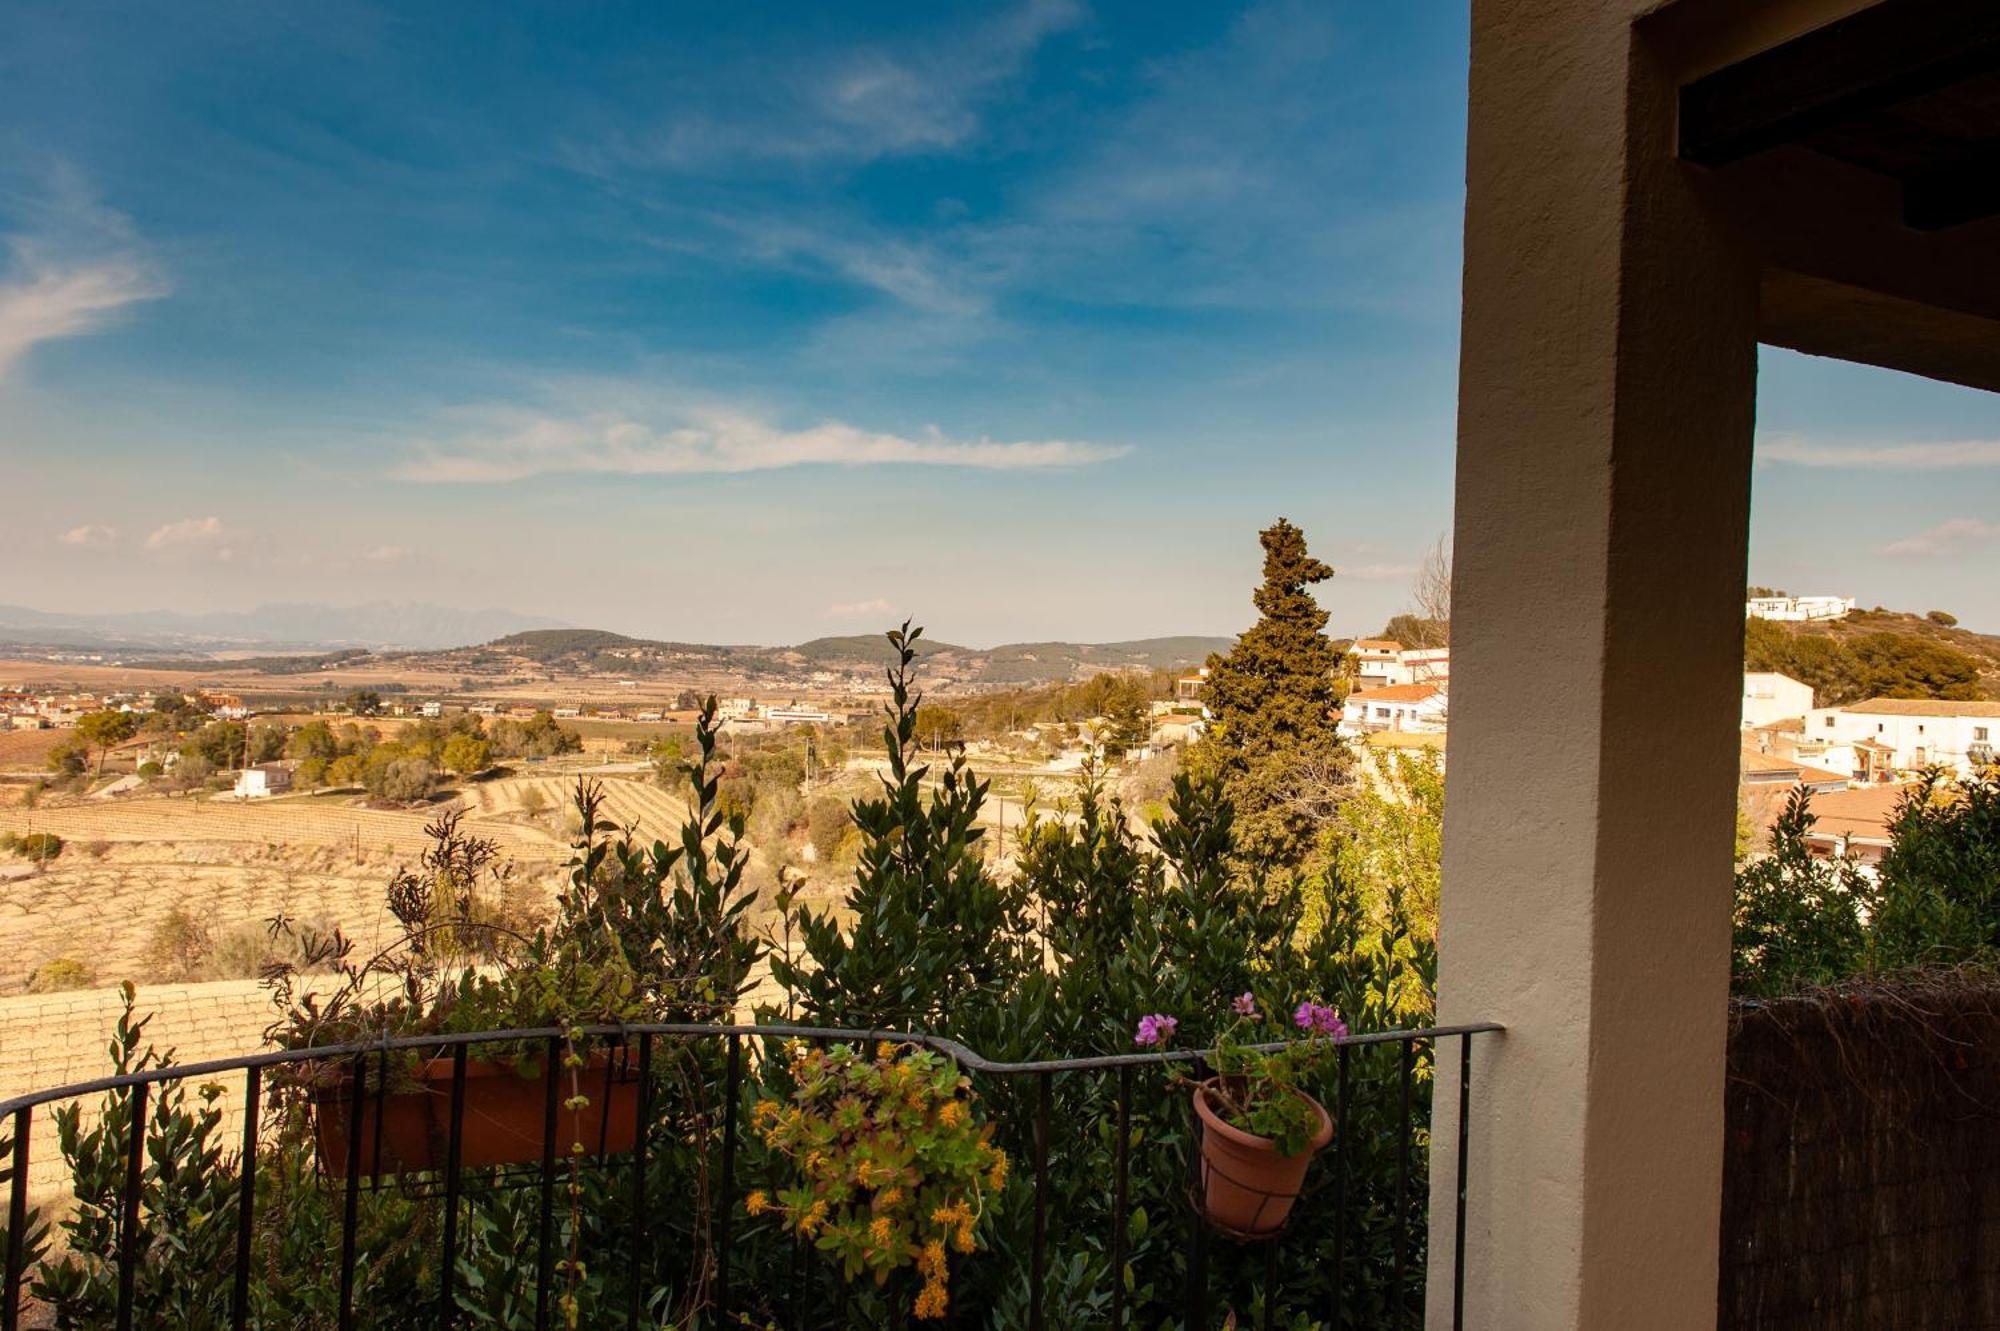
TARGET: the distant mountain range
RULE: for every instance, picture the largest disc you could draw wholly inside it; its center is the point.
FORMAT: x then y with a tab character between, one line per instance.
409	625
587	651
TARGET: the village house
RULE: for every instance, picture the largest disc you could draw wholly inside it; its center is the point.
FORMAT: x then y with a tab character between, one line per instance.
1416	707
1378	663
1769	698
262	780
1916	732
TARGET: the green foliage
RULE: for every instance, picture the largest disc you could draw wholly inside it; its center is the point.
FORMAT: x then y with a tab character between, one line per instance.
1871	665
466	754
363	702
1800	921
889	1165
106	730
70	756
1943	618
184	1250
1274	700
1940	894
41	847
1934	901
1416	631
64	973
221	744
1261	1089
934	936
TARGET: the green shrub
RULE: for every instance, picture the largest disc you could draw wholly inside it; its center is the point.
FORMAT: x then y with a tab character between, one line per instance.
38	846
61	974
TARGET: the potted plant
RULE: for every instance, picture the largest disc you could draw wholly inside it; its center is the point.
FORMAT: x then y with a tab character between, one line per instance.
891	1168
459	969
1259	1127
404	1122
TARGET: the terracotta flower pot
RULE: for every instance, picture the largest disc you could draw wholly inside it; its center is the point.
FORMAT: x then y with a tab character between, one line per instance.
1247	1184
408	1131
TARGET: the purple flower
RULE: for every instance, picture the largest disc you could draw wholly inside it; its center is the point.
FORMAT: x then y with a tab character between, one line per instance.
1319	1019
1155	1027
1246	1005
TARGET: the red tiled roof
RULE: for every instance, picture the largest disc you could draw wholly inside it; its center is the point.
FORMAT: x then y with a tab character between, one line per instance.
1396	693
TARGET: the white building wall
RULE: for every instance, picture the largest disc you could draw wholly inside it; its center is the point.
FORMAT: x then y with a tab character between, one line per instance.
1769	697
1917	741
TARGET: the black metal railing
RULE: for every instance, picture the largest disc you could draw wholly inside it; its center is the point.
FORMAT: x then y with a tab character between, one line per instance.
17	1115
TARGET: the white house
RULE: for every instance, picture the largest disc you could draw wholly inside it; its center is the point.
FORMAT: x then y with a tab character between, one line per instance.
1378	663
797	714
262	780
1769	696
1798	607
1919	732
431	711
1424	665
1418	707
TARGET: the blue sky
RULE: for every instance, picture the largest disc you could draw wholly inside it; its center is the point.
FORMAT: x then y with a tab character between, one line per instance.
755	322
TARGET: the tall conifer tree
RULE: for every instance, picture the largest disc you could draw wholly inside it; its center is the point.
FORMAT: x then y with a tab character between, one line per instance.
1275	707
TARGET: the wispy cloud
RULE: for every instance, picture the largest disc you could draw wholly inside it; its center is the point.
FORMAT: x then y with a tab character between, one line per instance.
90	536
854	104
510	444
1802	451
384	555
859	609
1945	538
76	271
209	537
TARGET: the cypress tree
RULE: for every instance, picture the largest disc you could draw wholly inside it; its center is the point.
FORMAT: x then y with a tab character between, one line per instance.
1274	707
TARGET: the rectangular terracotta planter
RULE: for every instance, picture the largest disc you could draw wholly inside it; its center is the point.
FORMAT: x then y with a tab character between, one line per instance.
504	1117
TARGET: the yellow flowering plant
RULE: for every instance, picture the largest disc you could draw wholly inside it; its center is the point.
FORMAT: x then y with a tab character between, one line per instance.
891	1168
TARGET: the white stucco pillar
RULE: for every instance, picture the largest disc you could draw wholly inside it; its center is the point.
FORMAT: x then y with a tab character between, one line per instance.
1606	403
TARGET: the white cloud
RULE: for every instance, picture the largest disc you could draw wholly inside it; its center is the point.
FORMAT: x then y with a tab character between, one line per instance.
1944	538
511	444
859	609
385	555
1801	451
76	272
207	537
90	536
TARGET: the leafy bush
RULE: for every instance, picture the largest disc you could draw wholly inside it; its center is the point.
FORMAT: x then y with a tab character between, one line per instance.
1942	617
63	973
890	1165
40	847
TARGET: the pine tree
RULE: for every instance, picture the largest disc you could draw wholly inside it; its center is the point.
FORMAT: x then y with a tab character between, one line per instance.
1274	703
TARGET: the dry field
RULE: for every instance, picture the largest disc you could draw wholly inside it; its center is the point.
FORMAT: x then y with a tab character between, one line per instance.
128	863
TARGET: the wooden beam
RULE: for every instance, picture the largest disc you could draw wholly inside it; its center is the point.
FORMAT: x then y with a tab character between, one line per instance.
1866	61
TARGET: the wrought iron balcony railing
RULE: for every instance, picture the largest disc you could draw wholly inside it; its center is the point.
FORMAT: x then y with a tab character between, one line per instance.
362	1077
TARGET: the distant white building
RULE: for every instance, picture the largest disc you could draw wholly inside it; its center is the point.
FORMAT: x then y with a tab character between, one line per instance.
1378	663
1769	696
431	711
1383	663
1798	607
1918	732
262	780
1411	707
735	709
797	715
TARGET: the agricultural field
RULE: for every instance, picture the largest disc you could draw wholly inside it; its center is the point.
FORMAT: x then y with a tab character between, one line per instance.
129	864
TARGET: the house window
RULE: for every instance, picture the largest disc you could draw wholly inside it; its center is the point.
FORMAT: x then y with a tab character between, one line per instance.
1979	732
1829	723
1920	730
1381	713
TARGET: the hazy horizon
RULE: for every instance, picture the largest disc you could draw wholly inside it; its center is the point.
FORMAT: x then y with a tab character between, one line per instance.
743	325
